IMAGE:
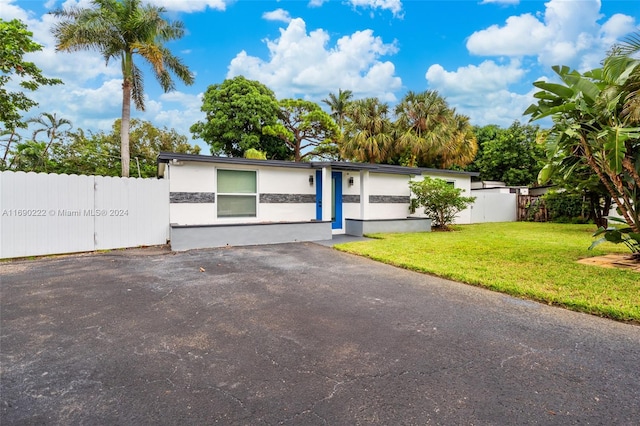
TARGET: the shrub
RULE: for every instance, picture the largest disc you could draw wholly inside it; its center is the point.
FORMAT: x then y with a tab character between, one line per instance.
441	200
562	206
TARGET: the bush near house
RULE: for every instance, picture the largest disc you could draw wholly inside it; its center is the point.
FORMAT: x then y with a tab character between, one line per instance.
441	200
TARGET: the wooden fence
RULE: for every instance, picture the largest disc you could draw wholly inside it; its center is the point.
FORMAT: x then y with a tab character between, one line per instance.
532	208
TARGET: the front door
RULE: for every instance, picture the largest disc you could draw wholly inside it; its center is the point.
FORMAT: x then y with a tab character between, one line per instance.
336	198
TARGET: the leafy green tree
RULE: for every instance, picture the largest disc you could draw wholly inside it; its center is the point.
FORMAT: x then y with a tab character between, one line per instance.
441	200
32	156
99	153
432	134
305	128
89	154
254	154
593	119
120	30
369	136
16	42
511	155
147	141
237	111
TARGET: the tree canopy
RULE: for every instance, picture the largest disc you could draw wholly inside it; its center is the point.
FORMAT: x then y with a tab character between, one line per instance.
16	42
76	152
510	155
121	30
237	111
305	128
431	134
368	136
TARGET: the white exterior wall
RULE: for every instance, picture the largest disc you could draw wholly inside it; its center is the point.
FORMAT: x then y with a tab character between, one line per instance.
394	185
191	177
350	210
194	177
277	180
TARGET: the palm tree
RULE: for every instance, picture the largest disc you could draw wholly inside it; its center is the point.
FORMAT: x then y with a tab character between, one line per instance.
338	105
432	133
463	145
120	29
628	49
369	132
50	124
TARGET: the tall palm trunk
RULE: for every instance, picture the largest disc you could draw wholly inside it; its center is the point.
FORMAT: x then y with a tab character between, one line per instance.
124	128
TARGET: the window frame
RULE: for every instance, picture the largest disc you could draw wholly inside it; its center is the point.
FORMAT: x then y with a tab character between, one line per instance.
255	194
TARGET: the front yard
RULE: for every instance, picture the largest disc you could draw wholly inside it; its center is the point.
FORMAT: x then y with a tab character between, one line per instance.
536	261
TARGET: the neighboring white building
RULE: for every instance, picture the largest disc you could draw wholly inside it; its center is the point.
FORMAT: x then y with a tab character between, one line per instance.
218	201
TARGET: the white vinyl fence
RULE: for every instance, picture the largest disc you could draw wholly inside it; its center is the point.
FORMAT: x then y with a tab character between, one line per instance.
494	207
50	214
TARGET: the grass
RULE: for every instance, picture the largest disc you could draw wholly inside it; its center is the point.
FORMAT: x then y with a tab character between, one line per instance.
536	261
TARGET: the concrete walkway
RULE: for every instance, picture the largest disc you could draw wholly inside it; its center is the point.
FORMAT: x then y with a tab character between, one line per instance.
341	238
295	334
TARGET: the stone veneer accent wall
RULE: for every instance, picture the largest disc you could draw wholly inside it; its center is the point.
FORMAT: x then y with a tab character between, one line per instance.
287	198
389	199
192	197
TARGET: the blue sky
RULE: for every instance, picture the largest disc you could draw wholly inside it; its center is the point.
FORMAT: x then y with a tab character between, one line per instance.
482	55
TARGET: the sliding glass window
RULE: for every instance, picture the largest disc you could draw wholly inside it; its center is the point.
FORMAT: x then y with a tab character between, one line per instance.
237	193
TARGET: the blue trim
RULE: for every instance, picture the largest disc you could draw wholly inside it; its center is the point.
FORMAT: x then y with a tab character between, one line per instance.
336	177
336	182
318	195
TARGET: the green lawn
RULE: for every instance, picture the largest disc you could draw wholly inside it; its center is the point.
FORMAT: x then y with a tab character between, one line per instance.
531	260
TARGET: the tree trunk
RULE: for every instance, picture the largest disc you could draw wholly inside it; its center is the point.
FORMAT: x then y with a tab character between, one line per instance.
6	151
124	127
598	211
613	184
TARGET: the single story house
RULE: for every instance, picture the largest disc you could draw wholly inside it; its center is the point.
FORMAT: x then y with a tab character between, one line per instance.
220	201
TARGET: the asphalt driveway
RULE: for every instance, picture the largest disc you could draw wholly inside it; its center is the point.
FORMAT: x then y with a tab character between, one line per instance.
295	334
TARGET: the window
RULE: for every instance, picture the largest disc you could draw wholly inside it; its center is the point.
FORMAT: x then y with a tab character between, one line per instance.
237	193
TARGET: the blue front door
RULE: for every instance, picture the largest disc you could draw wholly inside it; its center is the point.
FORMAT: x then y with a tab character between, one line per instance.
336	198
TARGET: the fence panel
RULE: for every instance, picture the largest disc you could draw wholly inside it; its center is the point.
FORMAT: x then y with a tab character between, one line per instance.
131	212
494	207
49	214
532	208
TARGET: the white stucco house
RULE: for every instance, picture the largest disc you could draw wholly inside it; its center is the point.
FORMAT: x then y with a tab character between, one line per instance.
220	201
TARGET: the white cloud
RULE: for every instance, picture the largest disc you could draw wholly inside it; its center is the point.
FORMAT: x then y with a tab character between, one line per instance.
9	11
482	92
300	62
394	6
277	15
568	32
317	3
191	5
486	77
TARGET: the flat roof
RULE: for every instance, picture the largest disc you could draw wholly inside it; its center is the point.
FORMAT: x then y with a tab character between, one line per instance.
167	157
